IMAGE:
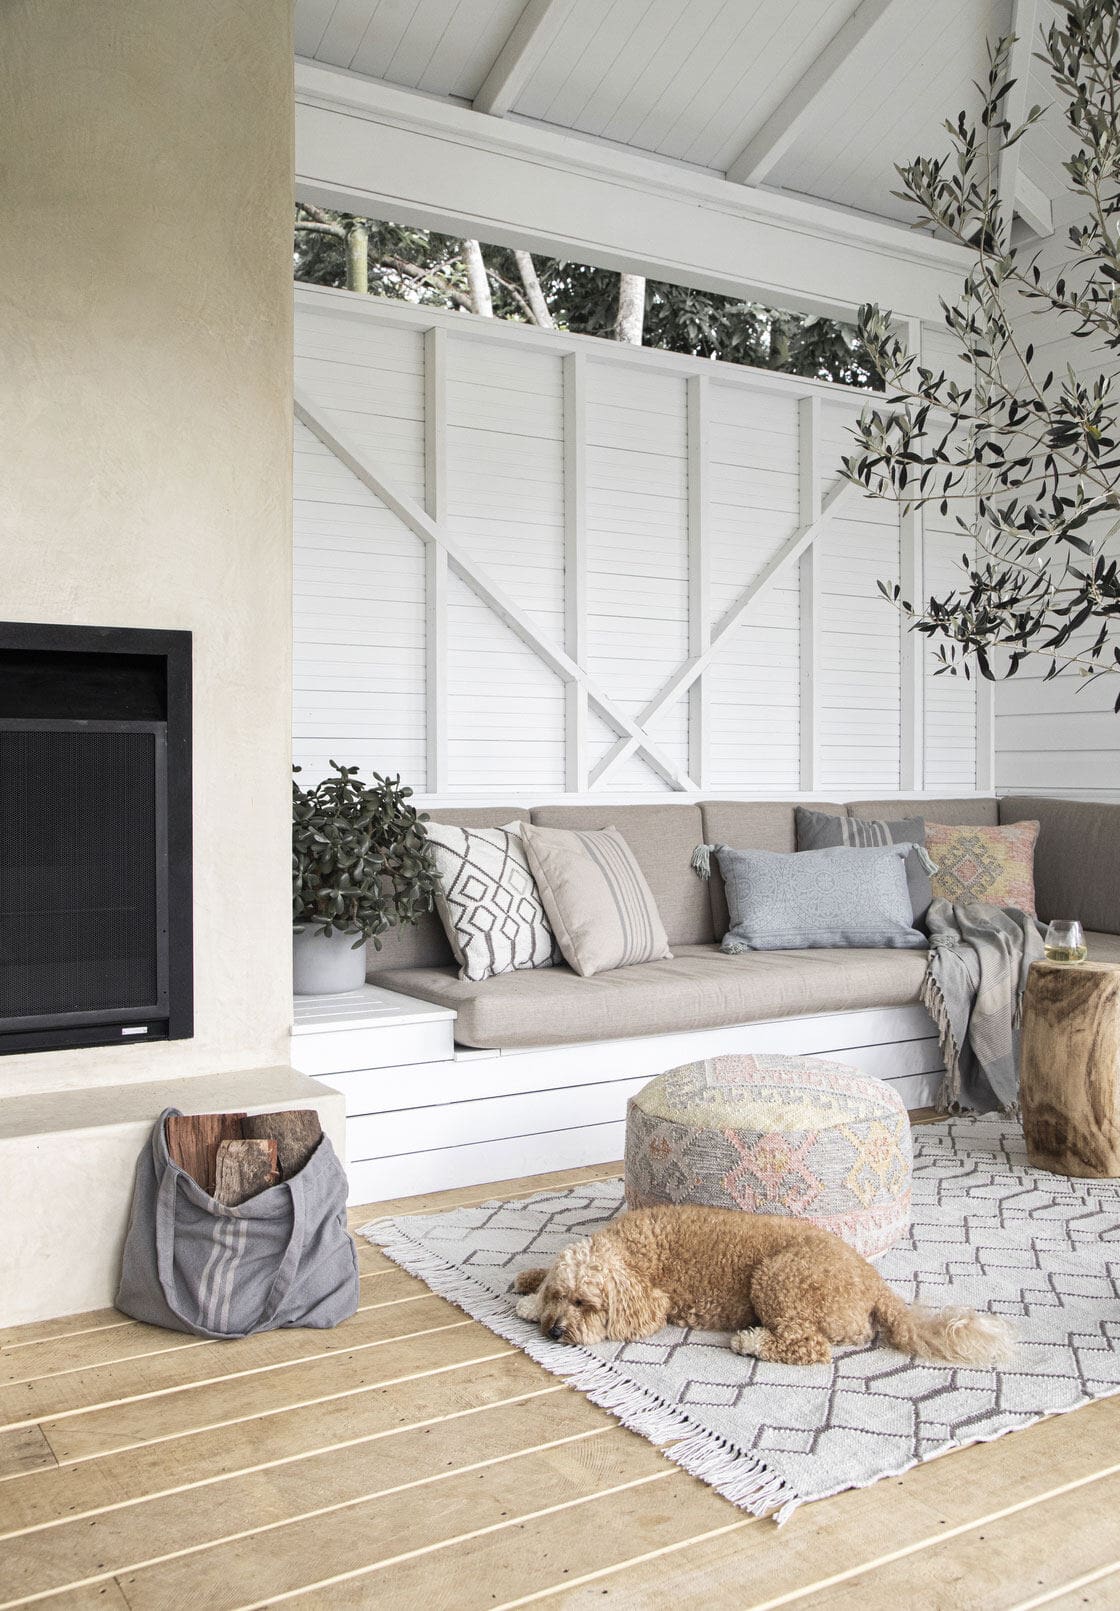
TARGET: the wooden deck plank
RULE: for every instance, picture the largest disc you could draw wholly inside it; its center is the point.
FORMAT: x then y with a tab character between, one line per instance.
112	1345
497	1562
997	1563
216	1404
836	1538
129	1538
464	1196
285	1436
193	1366
1099	1590
24	1449
371	1531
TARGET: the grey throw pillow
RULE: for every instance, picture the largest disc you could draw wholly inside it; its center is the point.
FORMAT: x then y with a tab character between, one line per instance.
820	830
799	900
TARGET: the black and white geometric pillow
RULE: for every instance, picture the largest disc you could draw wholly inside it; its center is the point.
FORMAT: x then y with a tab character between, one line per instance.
488	900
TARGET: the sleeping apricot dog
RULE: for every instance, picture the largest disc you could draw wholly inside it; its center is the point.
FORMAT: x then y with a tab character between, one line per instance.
787	1290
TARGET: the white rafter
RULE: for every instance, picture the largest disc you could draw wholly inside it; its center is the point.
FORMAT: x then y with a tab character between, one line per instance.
529	38
686	674
1017	193
421	524
766	148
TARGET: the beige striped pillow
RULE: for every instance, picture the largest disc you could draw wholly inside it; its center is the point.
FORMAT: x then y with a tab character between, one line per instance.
601	909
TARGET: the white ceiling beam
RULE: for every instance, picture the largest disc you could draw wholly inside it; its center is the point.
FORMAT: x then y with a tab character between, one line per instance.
391	153
529	39
765	149
1018	195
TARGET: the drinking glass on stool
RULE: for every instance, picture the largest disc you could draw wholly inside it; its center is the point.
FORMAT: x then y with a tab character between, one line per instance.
1065	941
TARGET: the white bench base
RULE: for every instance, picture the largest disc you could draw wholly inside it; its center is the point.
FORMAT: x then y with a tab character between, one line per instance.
472	1117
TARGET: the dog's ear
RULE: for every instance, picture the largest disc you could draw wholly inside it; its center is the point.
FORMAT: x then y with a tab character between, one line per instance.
530	1280
634	1308
529	1307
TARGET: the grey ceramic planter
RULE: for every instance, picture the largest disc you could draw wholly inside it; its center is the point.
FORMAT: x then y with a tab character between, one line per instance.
326	965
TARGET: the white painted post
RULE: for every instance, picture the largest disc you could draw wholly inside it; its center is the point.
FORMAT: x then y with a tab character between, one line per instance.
809	512
912	662
435	559
575	567
699	603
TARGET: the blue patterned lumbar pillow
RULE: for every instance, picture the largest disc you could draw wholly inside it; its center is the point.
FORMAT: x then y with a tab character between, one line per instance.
805	899
821	830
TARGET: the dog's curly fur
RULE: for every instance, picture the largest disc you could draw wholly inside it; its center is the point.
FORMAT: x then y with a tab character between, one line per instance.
787	1290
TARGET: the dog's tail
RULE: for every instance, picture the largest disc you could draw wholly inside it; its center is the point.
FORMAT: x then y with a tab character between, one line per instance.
960	1336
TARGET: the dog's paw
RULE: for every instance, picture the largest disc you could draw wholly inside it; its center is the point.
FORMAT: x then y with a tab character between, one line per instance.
750	1342
529	1307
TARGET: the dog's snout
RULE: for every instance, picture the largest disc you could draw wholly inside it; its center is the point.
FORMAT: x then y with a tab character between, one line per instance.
556	1332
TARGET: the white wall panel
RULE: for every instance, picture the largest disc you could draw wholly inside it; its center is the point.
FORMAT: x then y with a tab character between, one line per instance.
677	487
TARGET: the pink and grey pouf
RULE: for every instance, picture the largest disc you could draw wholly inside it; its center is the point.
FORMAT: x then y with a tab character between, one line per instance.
775	1135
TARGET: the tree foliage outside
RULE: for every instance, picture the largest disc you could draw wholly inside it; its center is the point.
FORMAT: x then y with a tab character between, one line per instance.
433	270
1028	457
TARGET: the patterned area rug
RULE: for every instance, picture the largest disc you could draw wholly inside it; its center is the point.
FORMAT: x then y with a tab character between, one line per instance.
987	1230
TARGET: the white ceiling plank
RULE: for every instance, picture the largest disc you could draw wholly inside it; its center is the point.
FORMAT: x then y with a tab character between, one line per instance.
773	140
391	153
529	39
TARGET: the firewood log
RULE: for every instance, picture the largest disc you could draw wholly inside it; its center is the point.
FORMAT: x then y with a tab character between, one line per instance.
244	1168
296	1131
192	1141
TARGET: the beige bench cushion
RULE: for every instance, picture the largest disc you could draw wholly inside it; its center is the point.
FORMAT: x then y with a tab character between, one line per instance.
662	838
978	809
1076	859
697	988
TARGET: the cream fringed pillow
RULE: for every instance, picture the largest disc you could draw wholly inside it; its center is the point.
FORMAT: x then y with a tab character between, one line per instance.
993	865
601	909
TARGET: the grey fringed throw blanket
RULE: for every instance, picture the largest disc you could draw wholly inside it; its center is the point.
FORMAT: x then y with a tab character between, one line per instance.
979	958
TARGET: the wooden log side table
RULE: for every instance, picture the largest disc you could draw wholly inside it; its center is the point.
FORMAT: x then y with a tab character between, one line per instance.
1070	1068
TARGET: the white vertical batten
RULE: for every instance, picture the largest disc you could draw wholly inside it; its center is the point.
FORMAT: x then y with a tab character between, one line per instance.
575	566
912	658
699	602
809	512
435	559
985	735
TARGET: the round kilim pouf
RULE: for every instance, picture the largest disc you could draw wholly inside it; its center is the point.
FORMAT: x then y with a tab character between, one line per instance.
775	1135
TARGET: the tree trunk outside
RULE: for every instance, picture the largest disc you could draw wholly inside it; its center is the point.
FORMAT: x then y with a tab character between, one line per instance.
631	309
528	272
357	258
476	279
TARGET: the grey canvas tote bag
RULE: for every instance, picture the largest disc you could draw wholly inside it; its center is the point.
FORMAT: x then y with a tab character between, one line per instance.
283	1258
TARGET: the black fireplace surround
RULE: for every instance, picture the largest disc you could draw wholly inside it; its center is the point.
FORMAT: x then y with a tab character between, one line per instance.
95	837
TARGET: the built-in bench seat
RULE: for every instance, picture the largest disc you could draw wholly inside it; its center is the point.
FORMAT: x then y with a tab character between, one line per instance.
543	1061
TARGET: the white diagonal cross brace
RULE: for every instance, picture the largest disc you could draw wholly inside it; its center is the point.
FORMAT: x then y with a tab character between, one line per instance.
688	671
421	523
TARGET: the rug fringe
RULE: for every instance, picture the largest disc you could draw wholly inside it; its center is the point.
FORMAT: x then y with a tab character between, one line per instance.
739	1476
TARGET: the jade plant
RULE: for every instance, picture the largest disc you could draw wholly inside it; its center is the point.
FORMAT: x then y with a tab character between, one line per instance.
361	862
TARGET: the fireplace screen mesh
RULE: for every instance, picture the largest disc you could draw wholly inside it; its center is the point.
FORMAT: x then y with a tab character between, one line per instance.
80	816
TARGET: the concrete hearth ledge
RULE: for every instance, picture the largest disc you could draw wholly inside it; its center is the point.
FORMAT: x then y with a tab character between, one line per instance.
66	1167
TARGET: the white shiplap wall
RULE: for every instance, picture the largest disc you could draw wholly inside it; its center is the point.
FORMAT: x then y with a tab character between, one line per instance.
1060	737
612	508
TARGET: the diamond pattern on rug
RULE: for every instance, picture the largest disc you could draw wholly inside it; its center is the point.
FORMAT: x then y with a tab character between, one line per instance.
988	1231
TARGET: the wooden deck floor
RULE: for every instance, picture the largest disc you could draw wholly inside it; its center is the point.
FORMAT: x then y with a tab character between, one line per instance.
413	1459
